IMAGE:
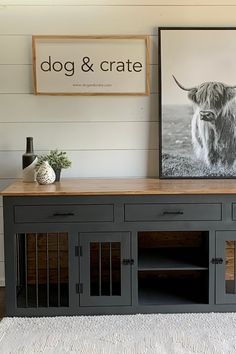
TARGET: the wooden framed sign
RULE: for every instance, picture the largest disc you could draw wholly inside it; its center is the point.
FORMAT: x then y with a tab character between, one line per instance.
91	65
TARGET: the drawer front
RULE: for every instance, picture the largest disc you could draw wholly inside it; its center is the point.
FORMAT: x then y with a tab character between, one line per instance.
168	211
64	213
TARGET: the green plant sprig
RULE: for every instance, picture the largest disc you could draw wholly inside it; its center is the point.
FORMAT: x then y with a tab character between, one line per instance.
56	159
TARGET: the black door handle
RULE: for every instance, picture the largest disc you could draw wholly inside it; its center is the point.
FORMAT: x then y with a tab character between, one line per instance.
217	260
128	262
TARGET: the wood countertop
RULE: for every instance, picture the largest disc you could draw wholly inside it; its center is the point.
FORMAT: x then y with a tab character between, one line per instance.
122	186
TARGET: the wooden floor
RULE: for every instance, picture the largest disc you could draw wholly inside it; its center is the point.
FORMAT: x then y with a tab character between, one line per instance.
2	303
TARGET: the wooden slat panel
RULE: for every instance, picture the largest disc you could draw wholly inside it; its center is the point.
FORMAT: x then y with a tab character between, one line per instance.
110	163
16	79
86	136
230	260
19	79
42	257
42	260
31	108
42	241
108	19
163	239
53	276
17	49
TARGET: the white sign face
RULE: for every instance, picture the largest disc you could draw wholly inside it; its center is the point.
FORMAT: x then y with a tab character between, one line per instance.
103	65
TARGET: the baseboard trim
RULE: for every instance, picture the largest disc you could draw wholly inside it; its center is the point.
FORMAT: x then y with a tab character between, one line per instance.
2	282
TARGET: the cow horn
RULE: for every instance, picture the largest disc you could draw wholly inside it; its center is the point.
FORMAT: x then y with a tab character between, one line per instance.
182	87
231	87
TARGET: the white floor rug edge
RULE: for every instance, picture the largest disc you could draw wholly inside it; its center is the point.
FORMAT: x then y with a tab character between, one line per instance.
203	333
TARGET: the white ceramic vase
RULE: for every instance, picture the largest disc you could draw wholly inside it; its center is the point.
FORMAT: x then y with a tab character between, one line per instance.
45	174
29	174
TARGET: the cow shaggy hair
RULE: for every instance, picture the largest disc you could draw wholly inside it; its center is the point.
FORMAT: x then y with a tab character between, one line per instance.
214	123
214	95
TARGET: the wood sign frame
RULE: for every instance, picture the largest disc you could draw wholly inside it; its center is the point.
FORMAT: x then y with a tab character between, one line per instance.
91	65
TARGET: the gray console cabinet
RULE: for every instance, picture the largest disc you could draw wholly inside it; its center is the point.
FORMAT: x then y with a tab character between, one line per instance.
119	253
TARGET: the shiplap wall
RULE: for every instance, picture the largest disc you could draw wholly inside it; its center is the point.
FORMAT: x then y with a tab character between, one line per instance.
104	136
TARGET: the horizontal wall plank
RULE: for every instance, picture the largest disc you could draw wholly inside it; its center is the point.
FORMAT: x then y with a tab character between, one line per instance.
19	79
32	108
110	163
86	136
117	2
139	163
18	49
107	19
16	79
1	248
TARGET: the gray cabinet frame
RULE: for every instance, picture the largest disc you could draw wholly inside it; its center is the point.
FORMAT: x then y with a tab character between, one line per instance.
120	224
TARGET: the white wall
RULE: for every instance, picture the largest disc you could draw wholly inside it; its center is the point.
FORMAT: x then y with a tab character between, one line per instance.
104	136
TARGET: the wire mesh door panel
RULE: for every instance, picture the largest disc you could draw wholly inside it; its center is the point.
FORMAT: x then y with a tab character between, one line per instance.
42	274
104	276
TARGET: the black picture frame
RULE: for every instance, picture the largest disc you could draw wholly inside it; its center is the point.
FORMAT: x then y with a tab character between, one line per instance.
197	102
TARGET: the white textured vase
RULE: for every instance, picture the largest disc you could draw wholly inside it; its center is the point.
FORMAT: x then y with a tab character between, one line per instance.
45	174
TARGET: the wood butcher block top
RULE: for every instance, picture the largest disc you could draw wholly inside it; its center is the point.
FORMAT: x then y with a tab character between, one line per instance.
122	186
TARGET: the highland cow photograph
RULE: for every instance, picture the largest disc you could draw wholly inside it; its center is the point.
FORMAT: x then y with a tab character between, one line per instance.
197	86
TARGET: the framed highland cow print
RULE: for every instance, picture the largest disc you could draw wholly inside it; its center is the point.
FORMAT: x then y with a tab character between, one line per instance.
197	85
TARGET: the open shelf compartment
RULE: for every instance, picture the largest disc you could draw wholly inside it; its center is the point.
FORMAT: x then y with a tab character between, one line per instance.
173	267
173	287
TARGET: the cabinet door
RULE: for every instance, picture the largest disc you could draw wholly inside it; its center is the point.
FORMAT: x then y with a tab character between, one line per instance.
105	269
42	270
225	267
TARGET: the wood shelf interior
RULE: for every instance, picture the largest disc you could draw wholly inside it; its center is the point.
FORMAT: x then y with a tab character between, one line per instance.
155	259
173	267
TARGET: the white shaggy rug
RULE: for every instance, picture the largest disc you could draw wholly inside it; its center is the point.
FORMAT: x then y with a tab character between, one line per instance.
212	333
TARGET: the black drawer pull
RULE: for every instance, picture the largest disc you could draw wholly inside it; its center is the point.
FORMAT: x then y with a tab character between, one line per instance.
63	214
179	212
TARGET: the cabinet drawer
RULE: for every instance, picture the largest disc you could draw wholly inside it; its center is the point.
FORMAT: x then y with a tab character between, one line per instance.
168	211
64	213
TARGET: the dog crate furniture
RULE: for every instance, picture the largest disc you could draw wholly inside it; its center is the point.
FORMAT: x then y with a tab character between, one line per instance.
119	246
